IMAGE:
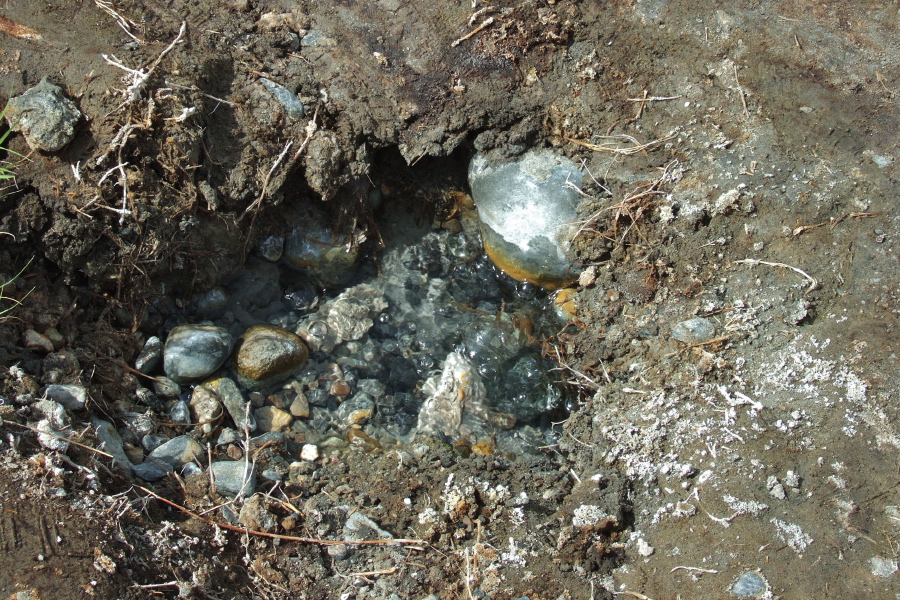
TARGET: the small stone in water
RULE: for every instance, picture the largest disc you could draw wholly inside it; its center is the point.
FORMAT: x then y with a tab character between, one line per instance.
266	355
749	584
694	331
357	410
300	406
269	418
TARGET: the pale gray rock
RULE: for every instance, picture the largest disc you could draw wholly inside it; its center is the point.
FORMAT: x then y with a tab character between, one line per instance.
694	331
527	208
151	442
233	400
50	437
205	408
178	451
37	341
166	388
193	352
110	442
44	116
151	355
73	397
749	585
234	477
180	412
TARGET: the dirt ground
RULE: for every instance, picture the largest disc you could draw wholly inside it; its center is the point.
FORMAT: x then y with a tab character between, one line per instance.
744	161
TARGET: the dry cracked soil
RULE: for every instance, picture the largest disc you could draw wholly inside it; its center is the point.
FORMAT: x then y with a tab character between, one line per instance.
744	167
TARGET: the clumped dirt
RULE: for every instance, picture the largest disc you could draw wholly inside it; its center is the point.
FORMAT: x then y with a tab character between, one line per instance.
745	167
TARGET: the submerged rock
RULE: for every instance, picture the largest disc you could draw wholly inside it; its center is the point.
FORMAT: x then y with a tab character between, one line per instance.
348	317
266	355
44	116
330	259
527	210
456	403
193	352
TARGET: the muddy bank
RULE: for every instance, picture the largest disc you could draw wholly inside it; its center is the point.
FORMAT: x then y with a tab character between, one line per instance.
744	168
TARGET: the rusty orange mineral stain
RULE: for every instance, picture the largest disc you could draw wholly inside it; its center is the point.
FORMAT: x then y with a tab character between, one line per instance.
16	30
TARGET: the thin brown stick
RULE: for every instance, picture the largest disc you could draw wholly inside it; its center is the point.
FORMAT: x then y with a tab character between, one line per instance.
741	91
276	536
635	149
698	344
59	437
484	25
813	282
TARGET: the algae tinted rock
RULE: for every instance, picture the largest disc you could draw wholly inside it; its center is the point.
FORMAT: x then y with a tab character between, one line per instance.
329	259
527	210
195	351
266	355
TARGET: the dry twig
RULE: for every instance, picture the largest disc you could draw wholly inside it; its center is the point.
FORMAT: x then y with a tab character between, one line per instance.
813	282
415	544
635	147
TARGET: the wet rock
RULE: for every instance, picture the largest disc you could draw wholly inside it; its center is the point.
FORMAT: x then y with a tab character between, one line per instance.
36	341
269	418
749	584
213	303
694	331
255	516
151	355
346	318
193	352
456	402
44	116
73	397
266	355
328	258
110	442
234	478
527	211
234	402
205	408
299	405
357	410
178	451
271	248
180	412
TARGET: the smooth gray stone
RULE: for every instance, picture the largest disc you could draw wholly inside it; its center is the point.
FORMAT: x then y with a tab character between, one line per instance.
230	480
228	436
149	471
73	397
292	105
193	352
180	412
151	442
749	584
110	442
178	451
694	331
166	388
44	116
149	358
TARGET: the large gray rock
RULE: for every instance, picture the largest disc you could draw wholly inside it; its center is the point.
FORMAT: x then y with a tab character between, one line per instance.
266	355
44	116
234	477
110	442
193	352
527	213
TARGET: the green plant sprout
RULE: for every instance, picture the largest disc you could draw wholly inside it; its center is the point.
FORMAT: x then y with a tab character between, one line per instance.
4	299
7	168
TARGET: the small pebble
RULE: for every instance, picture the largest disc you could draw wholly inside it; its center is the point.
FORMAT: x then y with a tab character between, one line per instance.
749	584
694	331
309	452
